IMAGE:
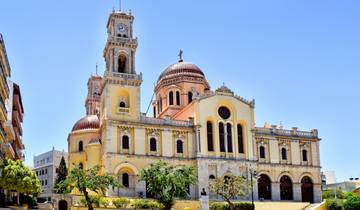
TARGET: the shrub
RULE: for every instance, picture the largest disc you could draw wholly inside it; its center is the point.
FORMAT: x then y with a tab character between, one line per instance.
237	206
329	194
332	204
146	204
352	202
187	208
95	201
120	202
104	202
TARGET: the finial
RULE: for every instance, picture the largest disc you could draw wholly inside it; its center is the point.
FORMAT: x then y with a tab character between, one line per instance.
180	55
96	68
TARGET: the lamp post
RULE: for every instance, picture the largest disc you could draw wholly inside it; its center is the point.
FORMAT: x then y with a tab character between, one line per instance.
252	174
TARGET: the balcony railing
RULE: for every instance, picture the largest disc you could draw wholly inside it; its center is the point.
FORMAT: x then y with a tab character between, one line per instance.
122	39
282	132
124	76
156	121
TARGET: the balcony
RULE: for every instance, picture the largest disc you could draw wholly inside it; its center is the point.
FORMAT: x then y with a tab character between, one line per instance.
157	121
3	111
8	150
2	134
17	106
124	76
123	40
122	110
9	129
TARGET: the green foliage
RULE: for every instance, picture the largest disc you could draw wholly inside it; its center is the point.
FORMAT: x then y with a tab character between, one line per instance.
146	204
17	177
229	187
329	194
94	200
62	174
90	179
120	202
187	208
105	202
332	204
352	202
226	206
167	182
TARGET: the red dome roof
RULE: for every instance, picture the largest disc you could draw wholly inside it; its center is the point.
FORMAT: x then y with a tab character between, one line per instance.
181	71
87	122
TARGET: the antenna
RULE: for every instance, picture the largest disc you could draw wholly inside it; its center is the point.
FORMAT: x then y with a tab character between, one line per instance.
96	68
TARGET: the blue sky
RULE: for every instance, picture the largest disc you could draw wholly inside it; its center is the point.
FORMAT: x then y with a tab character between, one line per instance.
299	59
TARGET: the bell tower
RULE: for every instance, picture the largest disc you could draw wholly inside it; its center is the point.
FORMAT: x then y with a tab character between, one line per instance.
121	85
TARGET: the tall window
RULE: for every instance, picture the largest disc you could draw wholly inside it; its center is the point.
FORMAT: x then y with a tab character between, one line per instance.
229	137
122	64
81	148
221	137
179	146
283	154
262	151
154	111
210	140
125	179
178	98
190	97
153	145
240	138
304	155
160	104
125	142
171	98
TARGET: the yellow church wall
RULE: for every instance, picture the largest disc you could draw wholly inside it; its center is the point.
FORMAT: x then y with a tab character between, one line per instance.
128	94
207	109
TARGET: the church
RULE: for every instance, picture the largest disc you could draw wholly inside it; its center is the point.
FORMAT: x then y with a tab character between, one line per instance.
192	124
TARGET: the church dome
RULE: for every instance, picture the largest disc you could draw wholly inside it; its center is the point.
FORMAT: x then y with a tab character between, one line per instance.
87	122
179	72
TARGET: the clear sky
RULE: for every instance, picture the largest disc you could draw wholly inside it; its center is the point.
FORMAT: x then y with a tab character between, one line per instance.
299	59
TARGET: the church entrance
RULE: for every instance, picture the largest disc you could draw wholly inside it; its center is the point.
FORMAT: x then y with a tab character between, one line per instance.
286	188
264	187
307	189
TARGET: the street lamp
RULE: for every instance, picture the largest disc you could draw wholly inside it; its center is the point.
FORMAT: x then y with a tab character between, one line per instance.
252	174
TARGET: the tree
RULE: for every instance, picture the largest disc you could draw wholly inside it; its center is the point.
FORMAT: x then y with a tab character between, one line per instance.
352	202
229	187
15	176
167	182
86	181
61	175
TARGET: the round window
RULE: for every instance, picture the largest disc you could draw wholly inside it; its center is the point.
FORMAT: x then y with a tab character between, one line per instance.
224	112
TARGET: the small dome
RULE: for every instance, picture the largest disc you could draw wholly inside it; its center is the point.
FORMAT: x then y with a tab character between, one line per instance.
181	71
87	122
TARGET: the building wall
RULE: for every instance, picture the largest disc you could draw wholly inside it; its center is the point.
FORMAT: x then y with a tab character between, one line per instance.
45	167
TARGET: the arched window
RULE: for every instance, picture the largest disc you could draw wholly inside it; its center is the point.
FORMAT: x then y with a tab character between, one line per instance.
190	97
286	189
122	64
125	180
210	140
240	138
171	98
304	155
264	187
153	145
122	104
262	151
81	147
154	111
307	190
211	176
179	146
178	98
160	104
125	142
81	165
221	137
229	137
283	154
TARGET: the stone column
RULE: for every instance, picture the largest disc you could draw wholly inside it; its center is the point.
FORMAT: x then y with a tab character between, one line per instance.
256	192
297	191
317	193
275	191
204	202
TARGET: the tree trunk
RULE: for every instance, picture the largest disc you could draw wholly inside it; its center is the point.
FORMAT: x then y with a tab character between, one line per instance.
168	206
18	199
87	198
231	205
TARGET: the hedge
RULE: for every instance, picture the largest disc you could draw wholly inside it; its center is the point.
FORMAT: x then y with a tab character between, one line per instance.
237	206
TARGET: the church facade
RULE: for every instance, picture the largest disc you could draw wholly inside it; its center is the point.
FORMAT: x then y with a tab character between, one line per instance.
212	130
